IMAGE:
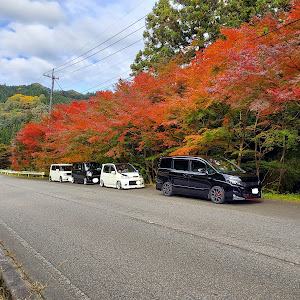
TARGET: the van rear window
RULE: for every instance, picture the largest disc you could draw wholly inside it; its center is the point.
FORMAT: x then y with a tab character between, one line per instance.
166	163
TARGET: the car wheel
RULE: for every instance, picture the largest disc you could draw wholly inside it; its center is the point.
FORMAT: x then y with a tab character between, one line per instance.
119	185
217	195
50	179
167	189
60	179
102	183
72	179
84	181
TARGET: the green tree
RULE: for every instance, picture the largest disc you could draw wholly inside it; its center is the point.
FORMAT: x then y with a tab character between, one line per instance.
164	36
184	26
5	154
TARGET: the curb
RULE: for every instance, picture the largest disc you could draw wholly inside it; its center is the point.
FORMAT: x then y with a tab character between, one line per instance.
14	283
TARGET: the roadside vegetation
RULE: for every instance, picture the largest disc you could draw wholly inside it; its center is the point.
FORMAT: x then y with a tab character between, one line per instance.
282	197
4	294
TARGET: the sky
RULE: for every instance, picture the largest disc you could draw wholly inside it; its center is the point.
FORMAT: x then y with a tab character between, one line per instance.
90	44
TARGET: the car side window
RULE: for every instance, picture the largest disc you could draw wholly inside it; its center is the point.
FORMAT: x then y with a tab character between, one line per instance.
181	164
198	166
53	168
106	169
166	163
210	170
77	166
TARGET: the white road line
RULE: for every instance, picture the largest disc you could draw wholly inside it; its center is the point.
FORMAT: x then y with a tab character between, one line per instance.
56	274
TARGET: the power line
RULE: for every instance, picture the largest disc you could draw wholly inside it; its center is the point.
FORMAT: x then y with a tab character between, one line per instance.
100	50
100	72
105	30
58	85
170	75
102	58
59	67
112	84
106	81
165	77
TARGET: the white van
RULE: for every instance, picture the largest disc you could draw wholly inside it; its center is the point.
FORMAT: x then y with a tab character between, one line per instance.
60	172
121	176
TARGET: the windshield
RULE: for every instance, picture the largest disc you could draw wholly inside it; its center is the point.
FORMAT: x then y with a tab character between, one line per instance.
92	166
224	165
125	168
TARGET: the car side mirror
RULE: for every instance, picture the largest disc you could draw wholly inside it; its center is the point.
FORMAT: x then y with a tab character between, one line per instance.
113	172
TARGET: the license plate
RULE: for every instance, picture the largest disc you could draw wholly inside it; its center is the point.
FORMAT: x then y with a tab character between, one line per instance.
255	191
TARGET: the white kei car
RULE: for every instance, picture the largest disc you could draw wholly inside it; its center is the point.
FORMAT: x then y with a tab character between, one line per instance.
60	172
121	176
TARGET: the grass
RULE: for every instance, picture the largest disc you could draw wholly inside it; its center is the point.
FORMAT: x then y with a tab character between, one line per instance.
35	287
4	295
283	197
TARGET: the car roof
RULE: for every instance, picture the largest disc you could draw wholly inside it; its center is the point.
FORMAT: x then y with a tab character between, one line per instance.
205	157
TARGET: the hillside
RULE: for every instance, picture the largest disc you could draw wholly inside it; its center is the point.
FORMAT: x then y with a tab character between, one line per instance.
24	103
36	89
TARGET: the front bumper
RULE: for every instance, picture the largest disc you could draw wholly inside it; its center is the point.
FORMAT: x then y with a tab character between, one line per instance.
132	183
247	193
93	179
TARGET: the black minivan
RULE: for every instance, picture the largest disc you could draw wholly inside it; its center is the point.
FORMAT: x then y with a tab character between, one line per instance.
86	172
217	179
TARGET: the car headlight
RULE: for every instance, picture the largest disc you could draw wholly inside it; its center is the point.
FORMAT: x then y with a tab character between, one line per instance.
234	180
89	173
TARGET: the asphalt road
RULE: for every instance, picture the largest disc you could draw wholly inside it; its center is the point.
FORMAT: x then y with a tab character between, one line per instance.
88	242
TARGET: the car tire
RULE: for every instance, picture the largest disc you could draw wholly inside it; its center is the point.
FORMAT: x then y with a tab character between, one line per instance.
73	180
50	179
84	181
102	183
167	189
60	179
217	195
119	185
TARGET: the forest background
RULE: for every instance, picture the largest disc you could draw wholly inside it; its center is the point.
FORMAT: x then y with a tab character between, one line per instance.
214	78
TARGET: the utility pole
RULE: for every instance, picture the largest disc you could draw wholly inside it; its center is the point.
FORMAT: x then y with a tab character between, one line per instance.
52	88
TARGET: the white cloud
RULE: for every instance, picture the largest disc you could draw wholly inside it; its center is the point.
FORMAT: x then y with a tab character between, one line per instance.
28	49
20	71
26	11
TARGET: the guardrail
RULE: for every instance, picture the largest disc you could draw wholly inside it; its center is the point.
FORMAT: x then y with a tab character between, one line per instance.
28	173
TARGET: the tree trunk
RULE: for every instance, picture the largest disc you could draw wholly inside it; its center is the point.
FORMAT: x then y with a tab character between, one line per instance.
256	154
242	140
148	173
282	164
